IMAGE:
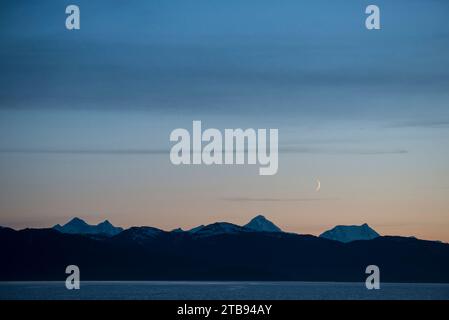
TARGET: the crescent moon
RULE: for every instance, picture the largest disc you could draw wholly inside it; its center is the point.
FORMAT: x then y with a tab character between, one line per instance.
318	187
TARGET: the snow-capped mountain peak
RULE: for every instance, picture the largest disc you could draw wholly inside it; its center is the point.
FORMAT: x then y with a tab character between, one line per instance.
76	222
262	224
350	233
79	226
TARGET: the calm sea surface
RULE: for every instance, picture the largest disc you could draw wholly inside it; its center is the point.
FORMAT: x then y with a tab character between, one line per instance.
154	290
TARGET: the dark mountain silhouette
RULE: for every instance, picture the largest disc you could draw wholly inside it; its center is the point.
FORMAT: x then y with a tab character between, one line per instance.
145	253
219	228
193	230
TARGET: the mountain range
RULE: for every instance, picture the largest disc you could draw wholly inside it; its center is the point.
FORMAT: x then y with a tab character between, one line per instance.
257	224
220	251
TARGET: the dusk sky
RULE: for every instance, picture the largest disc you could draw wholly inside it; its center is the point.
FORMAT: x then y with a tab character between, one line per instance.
85	115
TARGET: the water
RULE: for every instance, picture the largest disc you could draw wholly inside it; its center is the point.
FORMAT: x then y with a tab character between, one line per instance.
157	290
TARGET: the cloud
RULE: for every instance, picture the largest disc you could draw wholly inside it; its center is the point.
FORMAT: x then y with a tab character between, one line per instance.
332	151
421	123
247	199
282	150
87	151
125	151
241	66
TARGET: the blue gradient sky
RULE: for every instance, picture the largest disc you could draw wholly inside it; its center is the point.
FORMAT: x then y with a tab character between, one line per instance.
85	115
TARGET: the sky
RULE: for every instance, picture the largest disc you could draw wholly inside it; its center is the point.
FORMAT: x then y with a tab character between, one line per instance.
85	115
